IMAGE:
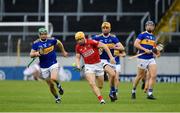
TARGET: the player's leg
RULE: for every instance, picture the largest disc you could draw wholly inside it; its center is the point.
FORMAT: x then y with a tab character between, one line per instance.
143	82
53	90
118	70
141	71
116	83
54	75
45	75
152	80
90	77
112	73
147	81
99	75
140	74
100	81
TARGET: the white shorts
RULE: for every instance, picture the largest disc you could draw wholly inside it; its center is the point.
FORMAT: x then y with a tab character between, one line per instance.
144	63
46	72
32	69
97	69
117	67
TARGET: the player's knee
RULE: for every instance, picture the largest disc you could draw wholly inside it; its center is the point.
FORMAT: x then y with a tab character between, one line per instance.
117	79
153	77
112	74
53	78
92	84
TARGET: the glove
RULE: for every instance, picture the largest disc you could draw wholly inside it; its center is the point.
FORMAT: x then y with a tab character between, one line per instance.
77	69
159	47
154	50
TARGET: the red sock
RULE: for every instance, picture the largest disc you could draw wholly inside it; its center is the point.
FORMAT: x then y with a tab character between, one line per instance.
100	98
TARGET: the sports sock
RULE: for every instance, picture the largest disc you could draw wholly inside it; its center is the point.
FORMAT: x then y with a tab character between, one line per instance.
112	90
56	96
150	91
134	90
58	84
100	98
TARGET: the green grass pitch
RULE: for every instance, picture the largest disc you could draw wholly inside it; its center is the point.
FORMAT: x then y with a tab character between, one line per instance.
33	96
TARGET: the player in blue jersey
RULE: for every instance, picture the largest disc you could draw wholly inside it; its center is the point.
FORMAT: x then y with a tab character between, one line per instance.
44	48
116	49
145	43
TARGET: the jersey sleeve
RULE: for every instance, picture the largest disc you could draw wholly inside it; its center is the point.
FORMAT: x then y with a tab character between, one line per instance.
55	41
93	37
35	46
94	43
115	40
140	36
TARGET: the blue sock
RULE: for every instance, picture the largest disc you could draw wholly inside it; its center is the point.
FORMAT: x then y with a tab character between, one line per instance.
112	90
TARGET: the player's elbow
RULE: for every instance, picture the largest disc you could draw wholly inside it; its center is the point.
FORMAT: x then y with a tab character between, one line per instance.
136	44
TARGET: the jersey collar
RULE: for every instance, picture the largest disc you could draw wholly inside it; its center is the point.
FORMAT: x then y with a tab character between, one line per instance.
106	36
42	40
148	32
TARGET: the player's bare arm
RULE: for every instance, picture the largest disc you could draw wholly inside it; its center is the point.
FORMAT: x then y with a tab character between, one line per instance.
105	47
60	45
34	53
121	48
138	46
77	60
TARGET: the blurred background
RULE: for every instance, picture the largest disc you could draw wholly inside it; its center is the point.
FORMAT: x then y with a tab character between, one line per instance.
20	20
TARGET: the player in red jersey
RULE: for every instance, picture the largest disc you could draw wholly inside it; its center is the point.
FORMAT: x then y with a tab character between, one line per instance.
88	49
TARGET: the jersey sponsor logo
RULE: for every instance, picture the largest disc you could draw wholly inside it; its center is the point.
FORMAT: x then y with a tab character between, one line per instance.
100	51
48	50
110	45
88	53
148	42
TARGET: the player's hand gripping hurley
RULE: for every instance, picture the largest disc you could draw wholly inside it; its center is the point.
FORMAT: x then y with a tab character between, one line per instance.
33	59
159	47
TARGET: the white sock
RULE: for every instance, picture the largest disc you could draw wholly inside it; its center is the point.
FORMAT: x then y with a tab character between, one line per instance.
133	91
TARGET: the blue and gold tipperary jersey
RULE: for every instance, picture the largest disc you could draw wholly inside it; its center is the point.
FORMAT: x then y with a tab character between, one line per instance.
110	41
48	57
148	42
